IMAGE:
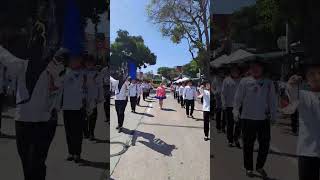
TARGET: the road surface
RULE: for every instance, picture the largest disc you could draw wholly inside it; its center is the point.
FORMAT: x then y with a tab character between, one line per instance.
160	144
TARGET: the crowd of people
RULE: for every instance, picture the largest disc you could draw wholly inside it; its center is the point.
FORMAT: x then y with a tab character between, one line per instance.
71	84
131	89
186	93
247	103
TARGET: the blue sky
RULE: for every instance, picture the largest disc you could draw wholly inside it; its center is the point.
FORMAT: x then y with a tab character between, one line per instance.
131	15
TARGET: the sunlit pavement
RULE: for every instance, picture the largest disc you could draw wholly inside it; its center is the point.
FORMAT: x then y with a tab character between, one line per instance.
161	144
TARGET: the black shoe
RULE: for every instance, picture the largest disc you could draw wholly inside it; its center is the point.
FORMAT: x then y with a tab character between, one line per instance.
206	138
249	173
70	157
77	159
238	144
120	130
192	116
118	127
262	172
230	144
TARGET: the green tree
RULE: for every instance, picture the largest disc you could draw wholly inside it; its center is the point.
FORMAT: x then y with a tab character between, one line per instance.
183	19
129	47
191	69
168	73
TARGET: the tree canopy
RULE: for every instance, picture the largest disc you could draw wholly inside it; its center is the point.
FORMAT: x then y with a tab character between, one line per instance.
184	19
130	47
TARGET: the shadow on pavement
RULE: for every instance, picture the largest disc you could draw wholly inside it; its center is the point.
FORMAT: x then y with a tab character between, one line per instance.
283	154
153	143
194	127
100	141
98	165
145	106
168	109
7	136
150	101
145	114
198	119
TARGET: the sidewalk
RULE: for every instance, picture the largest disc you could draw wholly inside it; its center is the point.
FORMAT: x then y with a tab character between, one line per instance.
165	145
94	153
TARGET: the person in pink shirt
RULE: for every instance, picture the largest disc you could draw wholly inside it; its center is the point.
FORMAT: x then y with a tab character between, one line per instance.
161	94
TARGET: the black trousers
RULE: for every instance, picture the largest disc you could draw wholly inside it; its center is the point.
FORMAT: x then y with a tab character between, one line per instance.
33	141
182	102
120	108
309	168
138	100
294	122
253	129
145	95
74	123
107	110
90	123
206	122
133	103
233	129
1	108
178	98
188	104
175	94
220	120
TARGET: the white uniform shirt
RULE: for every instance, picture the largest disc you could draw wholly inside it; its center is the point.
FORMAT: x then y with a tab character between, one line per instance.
73	93
189	93
94	87
206	100
257	98
121	94
133	90
228	90
181	89
42	101
177	88
309	122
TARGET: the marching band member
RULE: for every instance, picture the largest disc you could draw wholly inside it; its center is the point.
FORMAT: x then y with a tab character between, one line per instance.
74	107
133	95
256	96
189	95
308	102
228	90
37	106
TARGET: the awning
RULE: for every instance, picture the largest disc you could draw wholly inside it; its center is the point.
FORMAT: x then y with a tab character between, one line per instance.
240	56
219	61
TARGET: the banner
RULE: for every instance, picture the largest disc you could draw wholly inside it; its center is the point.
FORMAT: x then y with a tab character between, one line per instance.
132	69
73	35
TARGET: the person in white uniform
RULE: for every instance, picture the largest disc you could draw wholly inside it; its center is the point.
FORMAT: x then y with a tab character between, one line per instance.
93	97
189	95
256	96
177	92
74	107
181	89
139	91
121	100
37	106
308	101
133	94
205	94
228	90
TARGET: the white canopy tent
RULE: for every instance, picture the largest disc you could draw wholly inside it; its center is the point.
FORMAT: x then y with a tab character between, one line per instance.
182	80
240	56
219	61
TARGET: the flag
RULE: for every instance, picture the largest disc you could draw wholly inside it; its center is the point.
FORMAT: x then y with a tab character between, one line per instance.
132	69
73	34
